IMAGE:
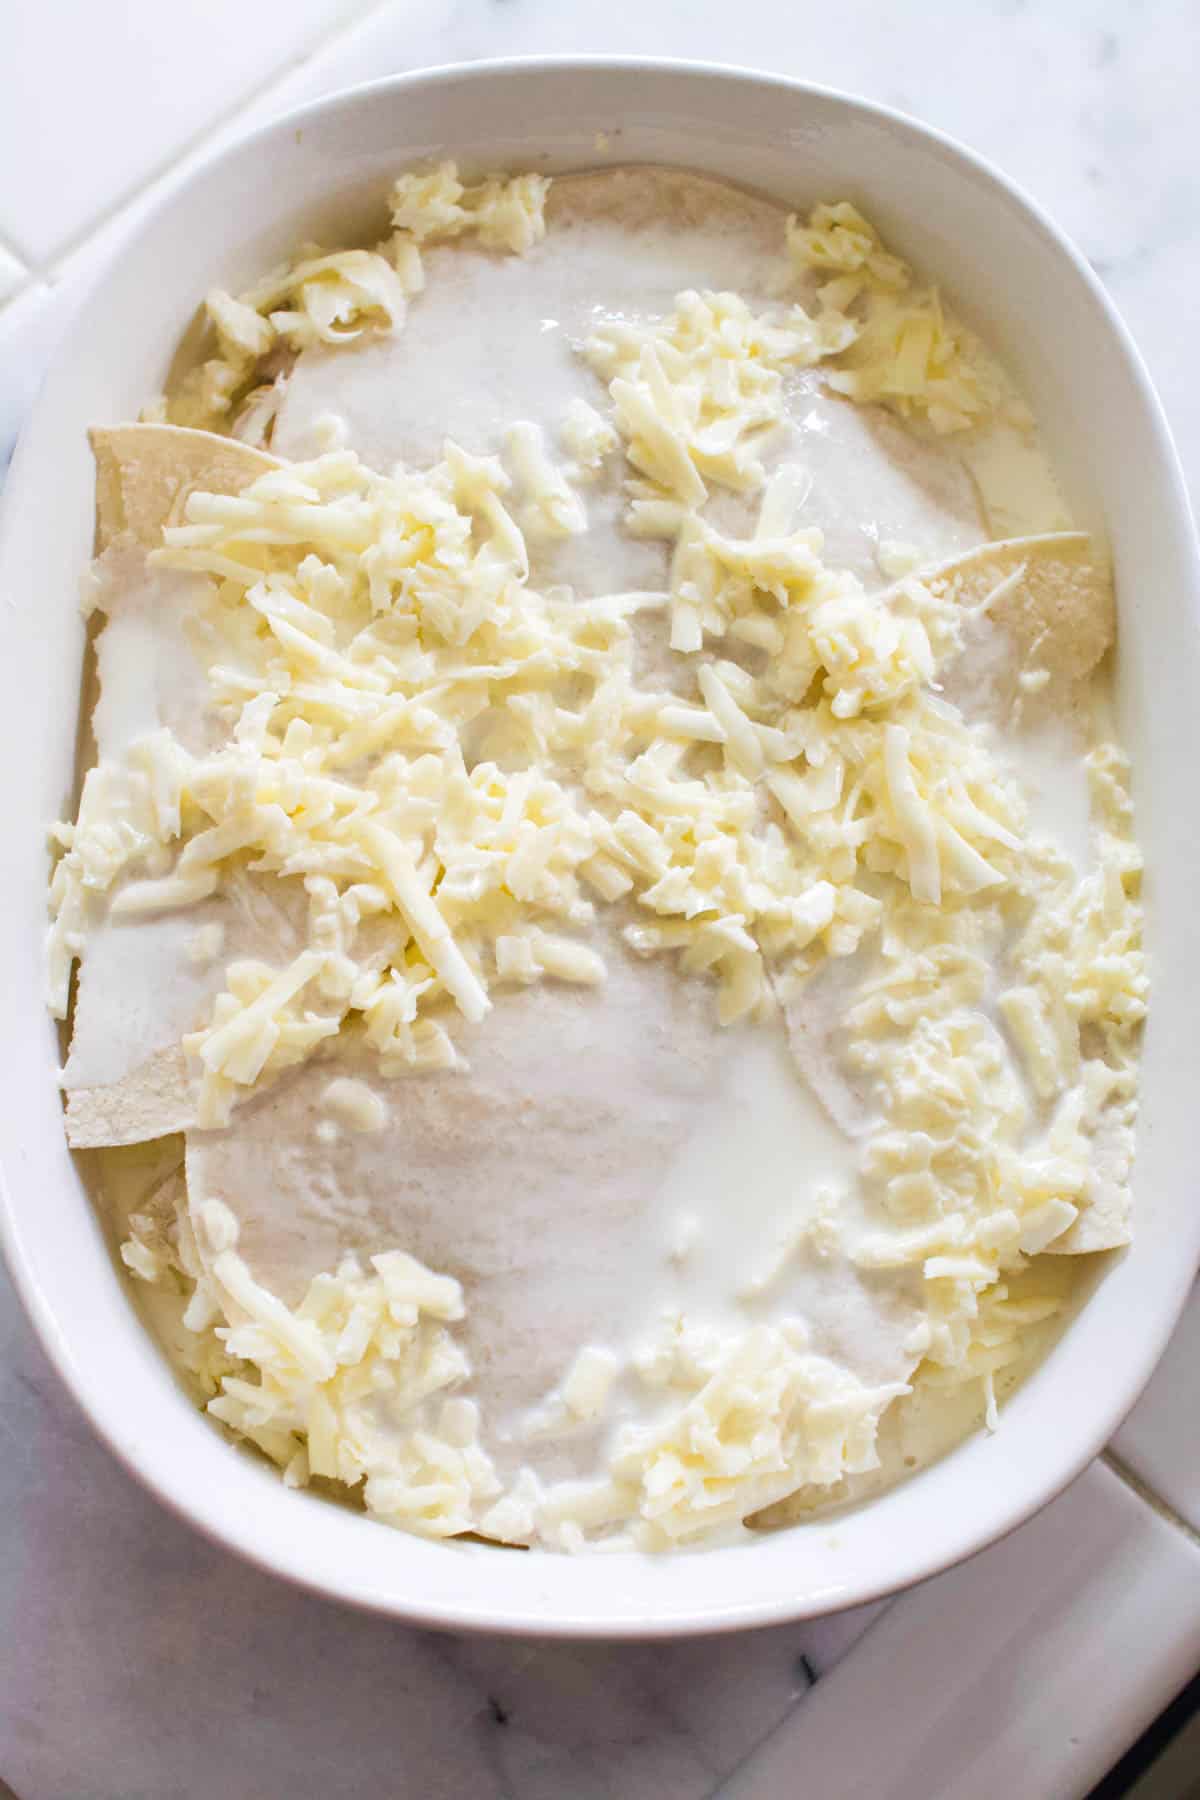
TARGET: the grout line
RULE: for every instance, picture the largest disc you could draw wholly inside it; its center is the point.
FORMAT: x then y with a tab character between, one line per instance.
50	270
33	286
1147	1494
813	1681
7	245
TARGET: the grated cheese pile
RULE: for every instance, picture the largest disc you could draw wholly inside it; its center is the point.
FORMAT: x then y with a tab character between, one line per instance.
361	628
459	772
354	1385
907	352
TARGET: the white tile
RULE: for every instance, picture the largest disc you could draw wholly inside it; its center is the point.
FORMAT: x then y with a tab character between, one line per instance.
597	1721
13	274
1028	1670
95	98
314	74
393	37
1159	1441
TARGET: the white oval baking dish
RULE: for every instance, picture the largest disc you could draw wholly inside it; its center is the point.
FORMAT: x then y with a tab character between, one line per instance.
1017	279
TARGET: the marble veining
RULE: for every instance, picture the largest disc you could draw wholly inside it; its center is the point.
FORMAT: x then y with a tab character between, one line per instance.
136	1659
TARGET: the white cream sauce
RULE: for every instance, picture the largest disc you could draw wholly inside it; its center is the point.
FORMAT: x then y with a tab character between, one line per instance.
1046	757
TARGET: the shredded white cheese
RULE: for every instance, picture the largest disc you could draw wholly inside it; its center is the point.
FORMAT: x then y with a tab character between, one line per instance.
905	350
768	1416
456	770
355	1385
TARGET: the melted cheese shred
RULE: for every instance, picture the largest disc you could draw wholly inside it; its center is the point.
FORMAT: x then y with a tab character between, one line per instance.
907	352
459	770
355	1385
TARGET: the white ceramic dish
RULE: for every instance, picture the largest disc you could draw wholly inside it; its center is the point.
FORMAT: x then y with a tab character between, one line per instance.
1017	279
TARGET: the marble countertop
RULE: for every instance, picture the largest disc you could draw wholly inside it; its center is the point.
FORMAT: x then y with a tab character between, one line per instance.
138	1660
